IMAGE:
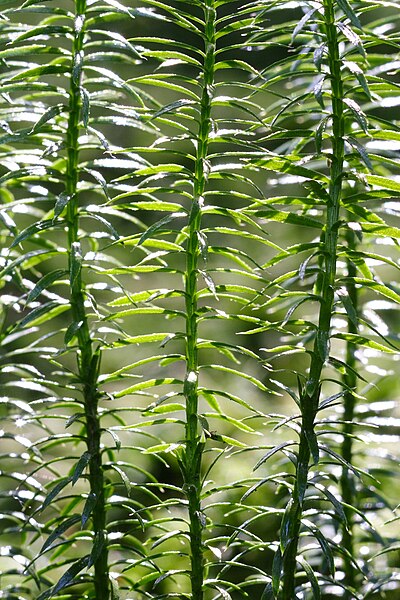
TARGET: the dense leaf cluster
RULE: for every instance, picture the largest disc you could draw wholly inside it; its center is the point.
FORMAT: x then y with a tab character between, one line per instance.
198	327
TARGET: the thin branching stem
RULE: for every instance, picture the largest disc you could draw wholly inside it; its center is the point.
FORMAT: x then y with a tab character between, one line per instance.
309	398
195	442
88	357
349	401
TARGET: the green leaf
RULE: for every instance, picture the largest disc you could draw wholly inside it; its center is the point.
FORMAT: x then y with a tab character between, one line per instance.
72	330
85	106
31	231
61	203
287	217
105	222
163	448
283	165
271	452
75	264
39	71
345	6
337	504
160	225
45	30
256	382
55	491
80	467
90	503
47	116
235	422
64	525
97	176
318	89
324	543
303	21
98	545
313	445
144	385
357	113
361	151
146	338
276	571
286	525
352	37
42	314
44	283
316	590
8	222
66	579
318	55
361	340
383	182
268	593
348	306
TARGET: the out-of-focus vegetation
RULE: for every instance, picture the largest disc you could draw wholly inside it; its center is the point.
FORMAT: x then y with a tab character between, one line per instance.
199	311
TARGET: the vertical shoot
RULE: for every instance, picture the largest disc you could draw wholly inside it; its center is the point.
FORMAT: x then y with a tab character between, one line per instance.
88	357
310	394
350	384
194	443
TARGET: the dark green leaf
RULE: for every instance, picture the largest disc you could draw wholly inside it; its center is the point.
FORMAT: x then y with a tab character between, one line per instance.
276	571
55	491
49	114
75	264
44	283
66	579
61	203
160	225
66	524
268	593
273	451
90	503
31	231
72	330
80	467
349	12
98	545
311	577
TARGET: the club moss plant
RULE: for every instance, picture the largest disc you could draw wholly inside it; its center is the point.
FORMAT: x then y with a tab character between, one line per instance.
198	227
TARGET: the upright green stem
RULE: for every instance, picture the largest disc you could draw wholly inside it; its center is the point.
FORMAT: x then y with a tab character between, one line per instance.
194	443
350	383
310	395
88	358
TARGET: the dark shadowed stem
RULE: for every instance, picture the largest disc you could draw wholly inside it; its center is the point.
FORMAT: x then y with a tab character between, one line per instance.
88	358
194	442
310	394
350	383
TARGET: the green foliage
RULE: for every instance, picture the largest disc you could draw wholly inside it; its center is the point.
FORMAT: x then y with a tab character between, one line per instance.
199	299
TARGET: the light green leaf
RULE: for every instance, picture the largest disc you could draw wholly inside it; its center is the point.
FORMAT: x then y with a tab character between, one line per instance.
241	374
144	385
361	340
384	182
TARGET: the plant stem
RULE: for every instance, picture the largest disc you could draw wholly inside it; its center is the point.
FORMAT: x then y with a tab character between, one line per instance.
88	358
194	443
309	399
350	383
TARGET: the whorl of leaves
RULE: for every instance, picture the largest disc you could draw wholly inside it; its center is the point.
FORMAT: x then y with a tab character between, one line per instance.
198	265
